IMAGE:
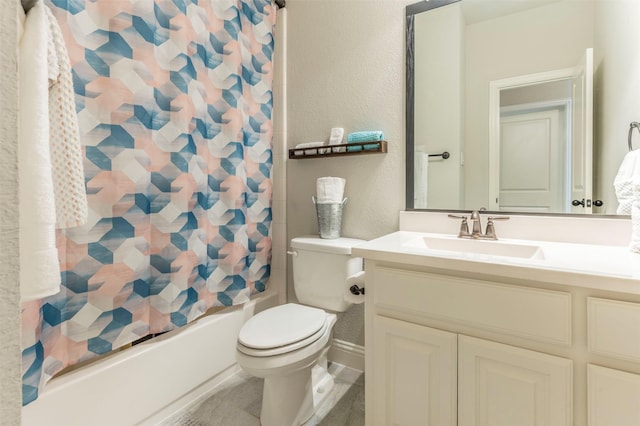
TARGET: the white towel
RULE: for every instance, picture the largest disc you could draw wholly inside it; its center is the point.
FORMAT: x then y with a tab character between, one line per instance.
308	145
330	190
635	219
420	178
39	266
66	150
623	183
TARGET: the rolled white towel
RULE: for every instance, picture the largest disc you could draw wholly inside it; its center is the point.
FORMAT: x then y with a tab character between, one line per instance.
301	147
336	138
330	190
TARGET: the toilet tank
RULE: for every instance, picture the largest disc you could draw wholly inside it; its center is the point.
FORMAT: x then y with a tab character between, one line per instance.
321	268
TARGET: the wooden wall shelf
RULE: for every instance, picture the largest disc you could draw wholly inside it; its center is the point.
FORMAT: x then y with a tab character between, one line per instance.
356	148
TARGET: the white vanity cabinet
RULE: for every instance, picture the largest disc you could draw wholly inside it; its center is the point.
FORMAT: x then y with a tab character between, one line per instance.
613	328
502	385
614	397
452	348
426	376
416	374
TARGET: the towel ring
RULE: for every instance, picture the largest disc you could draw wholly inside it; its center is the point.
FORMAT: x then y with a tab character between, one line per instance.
633	125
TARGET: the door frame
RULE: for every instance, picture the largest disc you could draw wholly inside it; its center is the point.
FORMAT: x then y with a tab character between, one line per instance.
495	86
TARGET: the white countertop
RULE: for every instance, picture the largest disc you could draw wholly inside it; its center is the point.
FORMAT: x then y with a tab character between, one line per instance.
610	268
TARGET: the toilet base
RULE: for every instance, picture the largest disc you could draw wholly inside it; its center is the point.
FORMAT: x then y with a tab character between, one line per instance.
292	399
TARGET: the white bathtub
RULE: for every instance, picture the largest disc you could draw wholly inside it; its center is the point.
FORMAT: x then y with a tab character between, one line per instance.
150	381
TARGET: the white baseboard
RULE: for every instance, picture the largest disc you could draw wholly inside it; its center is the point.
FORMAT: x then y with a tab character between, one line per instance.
347	353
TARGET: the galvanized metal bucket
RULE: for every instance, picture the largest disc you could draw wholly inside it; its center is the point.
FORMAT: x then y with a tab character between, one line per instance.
329	218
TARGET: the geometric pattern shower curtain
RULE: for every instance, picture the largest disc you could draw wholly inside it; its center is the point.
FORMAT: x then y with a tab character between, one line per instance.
174	103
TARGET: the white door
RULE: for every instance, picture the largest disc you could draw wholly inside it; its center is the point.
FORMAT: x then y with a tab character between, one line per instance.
501	385
614	397
415	375
532	162
582	140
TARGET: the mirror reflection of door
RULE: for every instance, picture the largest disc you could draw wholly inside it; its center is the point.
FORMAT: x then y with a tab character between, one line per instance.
541	141
533	143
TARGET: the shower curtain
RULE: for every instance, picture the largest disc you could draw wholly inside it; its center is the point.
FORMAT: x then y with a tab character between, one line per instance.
174	104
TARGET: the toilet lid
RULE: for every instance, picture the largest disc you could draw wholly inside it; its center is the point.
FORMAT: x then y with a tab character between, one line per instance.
281	326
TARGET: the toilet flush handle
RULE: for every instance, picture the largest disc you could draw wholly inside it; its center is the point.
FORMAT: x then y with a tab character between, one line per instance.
292	252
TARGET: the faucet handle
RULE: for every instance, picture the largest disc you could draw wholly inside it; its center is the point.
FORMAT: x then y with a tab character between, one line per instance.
492	218
464	226
456	216
490	231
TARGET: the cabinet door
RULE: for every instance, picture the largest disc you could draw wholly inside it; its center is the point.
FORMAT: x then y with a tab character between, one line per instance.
614	397
501	385
415	374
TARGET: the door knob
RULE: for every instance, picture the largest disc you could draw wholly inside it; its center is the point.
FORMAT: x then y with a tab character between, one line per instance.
577	203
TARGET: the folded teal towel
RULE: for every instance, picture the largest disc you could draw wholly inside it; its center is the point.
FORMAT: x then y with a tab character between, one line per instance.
367	136
366	147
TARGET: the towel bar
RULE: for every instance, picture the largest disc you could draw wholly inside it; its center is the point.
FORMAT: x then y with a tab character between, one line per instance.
444	155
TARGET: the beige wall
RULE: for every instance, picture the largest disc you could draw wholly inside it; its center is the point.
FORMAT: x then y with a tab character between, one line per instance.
345	68
538	42
10	362
617	99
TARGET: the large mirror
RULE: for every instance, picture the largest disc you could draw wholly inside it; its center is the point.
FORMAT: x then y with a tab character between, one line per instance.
520	105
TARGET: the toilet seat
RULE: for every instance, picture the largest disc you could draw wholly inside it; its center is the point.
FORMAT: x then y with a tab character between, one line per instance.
282	329
284	349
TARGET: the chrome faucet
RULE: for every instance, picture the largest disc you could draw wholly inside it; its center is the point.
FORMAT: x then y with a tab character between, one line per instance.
476	226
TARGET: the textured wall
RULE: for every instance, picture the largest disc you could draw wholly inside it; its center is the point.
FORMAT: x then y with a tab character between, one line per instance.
10	397
345	68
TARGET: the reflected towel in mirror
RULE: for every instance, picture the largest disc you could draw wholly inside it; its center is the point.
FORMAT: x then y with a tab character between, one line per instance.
421	176
628	175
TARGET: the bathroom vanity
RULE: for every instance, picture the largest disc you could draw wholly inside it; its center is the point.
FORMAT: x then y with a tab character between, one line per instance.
509	332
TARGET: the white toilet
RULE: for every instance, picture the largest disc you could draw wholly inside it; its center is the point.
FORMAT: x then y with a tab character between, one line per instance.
287	345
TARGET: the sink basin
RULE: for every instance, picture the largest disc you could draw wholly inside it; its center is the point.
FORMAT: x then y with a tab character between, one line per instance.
479	247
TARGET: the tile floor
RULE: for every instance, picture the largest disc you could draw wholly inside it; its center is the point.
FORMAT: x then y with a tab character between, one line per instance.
237	402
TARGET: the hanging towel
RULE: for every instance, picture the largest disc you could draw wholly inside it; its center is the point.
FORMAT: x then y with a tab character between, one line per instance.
39	266
635	219
623	183
65	147
420	178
